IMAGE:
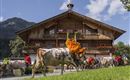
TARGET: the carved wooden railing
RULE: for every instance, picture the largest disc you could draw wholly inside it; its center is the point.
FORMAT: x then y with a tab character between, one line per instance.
90	36
79	36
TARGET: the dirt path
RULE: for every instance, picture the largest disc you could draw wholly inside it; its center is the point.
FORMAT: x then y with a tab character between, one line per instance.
56	72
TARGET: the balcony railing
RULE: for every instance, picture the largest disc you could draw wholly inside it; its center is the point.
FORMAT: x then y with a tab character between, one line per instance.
79	36
90	36
63	36
49	36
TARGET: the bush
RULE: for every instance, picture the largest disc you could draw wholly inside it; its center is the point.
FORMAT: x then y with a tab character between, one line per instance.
28	70
17	72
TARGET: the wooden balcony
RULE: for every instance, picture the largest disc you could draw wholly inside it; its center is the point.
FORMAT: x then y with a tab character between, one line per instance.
97	52
49	36
79	36
101	47
90	36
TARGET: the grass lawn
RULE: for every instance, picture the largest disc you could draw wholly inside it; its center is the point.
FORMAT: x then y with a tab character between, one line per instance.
115	73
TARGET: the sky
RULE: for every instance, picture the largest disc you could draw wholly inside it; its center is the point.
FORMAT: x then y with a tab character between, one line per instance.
111	12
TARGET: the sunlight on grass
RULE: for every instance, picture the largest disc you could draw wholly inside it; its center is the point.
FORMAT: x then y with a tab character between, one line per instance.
116	73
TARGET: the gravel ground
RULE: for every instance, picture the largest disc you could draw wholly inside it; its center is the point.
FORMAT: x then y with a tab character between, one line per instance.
56	72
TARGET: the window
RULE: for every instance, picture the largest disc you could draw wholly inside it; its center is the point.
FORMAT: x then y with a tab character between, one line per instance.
37	44
50	45
88	32
79	31
70	30
94	31
85	45
60	30
52	32
62	44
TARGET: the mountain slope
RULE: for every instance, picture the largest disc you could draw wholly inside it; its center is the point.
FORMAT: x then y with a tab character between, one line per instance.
7	32
10	26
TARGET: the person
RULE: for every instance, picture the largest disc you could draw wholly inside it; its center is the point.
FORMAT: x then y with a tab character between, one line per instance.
90	60
27	59
118	59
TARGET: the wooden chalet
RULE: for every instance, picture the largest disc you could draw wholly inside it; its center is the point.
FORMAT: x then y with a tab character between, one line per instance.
96	36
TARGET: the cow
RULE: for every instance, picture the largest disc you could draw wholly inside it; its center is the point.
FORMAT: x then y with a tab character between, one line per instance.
53	57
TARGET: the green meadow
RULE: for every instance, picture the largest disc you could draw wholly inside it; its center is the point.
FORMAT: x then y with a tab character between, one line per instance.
115	73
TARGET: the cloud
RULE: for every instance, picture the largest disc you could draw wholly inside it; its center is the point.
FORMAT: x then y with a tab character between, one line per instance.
1	18
104	9
96	7
64	5
116	7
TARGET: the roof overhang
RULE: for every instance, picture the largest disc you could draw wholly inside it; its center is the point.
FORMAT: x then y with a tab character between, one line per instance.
117	31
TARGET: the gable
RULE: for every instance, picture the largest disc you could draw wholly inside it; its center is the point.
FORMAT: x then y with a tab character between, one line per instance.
74	16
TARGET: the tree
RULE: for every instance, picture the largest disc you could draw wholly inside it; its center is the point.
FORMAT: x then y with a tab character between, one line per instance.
126	4
123	48
127	49
16	46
